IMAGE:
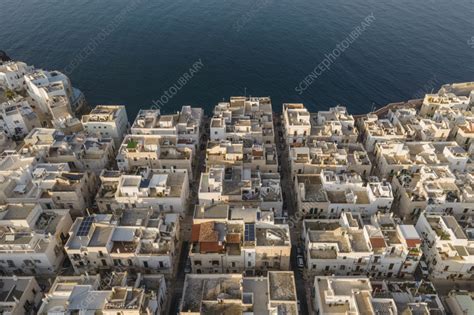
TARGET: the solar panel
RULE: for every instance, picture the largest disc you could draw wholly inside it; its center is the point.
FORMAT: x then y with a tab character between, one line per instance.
85	226
249	233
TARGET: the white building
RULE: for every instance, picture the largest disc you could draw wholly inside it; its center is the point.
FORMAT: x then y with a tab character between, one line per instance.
43	86
19	295
447	247
17	118
141	240
31	239
327	195
184	125
12	75
297	123
109	121
460	302
346	246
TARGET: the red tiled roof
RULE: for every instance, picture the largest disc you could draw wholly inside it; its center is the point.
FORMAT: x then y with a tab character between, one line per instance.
207	233
377	242
413	242
210	247
233	238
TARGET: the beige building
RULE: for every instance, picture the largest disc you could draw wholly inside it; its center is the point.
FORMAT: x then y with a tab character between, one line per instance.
317	156
417	128
349	295
464	133
257	157
53	186
242	185
297	122
155	152
32	238
81	152
392	157
334	125
327	195
249	118
235	294
434	189
110	294
184	125
374	131
163	190
348	246
234	240
434	102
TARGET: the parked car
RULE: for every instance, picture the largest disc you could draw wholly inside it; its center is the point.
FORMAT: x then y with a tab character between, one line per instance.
187	268
300	261
424	269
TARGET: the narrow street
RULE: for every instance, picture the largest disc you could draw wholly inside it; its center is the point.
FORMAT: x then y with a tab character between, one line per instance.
176	282
289	206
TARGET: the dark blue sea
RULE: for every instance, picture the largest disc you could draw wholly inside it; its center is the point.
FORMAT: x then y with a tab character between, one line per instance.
261	48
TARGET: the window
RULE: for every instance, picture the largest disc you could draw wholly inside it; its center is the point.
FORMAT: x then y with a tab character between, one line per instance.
197	263
390	267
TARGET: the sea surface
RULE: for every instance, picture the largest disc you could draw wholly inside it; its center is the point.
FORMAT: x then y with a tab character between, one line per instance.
132	51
